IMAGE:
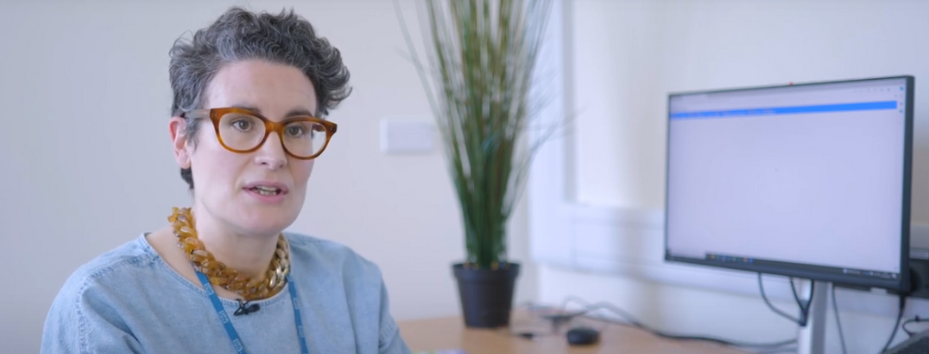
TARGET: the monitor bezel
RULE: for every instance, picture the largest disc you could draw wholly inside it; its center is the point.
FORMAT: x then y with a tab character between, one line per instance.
902	284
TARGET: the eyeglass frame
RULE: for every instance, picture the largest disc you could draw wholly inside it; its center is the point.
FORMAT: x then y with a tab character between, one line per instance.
216	114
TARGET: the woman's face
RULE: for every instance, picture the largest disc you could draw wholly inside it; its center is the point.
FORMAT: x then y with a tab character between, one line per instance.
225	182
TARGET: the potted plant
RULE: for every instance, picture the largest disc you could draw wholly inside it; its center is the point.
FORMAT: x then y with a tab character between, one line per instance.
482	56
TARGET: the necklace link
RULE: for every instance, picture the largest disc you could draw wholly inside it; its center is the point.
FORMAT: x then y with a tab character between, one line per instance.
221	275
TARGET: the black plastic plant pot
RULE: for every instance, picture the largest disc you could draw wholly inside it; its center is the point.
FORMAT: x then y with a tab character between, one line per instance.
486	295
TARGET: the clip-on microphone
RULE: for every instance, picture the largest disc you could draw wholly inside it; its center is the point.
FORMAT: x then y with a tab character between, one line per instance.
246	308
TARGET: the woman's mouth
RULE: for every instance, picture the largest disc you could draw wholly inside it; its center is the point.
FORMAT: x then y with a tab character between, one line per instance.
266	190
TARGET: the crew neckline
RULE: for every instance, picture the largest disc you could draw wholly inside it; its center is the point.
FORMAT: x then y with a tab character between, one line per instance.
158	259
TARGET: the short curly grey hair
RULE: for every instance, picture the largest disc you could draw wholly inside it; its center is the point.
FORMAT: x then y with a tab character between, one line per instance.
238	35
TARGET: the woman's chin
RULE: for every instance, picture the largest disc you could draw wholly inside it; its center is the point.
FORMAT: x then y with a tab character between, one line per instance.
265	222
264	228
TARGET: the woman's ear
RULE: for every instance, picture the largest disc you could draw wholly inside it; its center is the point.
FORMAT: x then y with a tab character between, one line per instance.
178	130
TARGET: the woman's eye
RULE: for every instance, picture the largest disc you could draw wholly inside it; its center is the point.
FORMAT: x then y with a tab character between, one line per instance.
242	124
295	131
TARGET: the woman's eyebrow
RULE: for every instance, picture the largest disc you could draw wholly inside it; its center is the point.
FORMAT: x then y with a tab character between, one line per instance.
293	112
247	107
300	112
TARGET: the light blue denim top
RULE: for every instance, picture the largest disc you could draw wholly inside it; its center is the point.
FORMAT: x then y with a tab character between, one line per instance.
129	300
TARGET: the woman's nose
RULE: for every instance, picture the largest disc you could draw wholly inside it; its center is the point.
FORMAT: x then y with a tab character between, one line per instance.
272	153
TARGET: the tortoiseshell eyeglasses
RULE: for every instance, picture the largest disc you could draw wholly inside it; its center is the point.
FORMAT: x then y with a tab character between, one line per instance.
242	131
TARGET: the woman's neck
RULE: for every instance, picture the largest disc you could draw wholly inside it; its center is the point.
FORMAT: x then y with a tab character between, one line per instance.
248	254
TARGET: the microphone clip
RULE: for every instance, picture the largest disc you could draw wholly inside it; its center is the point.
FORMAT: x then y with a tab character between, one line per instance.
246	308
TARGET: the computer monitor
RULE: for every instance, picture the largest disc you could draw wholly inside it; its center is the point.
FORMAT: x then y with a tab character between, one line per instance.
809	181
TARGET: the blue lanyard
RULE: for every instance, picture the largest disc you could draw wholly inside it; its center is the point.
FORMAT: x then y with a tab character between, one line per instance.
230	330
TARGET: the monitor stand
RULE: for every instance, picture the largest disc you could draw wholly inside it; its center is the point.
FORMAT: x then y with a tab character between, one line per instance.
812	338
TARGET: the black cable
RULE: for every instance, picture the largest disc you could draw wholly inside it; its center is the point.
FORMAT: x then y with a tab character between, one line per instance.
804	307
912	320
838	323
781	350
509	332
667	335
630	320
896	324
793	290
530	334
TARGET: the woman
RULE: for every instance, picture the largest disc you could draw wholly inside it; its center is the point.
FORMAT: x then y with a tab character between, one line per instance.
222	277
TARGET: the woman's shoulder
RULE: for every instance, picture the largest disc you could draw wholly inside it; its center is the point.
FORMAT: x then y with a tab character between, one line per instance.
330	254
108	279
112	274
130	254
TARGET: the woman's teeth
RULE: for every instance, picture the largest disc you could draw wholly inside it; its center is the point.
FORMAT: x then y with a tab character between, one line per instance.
266	190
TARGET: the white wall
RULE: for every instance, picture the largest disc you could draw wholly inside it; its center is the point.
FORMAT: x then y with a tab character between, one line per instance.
626	56
630	54
86	159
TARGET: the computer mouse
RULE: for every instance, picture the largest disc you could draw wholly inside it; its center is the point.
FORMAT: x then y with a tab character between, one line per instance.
583	336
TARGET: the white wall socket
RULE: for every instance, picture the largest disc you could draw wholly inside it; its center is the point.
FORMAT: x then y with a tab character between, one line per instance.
407	136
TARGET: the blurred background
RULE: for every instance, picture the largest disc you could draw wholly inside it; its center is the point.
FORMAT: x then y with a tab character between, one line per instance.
86	161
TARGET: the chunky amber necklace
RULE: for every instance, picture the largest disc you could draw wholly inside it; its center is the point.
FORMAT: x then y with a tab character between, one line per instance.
223	276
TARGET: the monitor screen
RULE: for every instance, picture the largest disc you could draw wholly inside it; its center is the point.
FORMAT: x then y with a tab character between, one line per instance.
809	181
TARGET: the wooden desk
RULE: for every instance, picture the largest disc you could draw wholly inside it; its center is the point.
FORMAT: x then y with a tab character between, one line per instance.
450	333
